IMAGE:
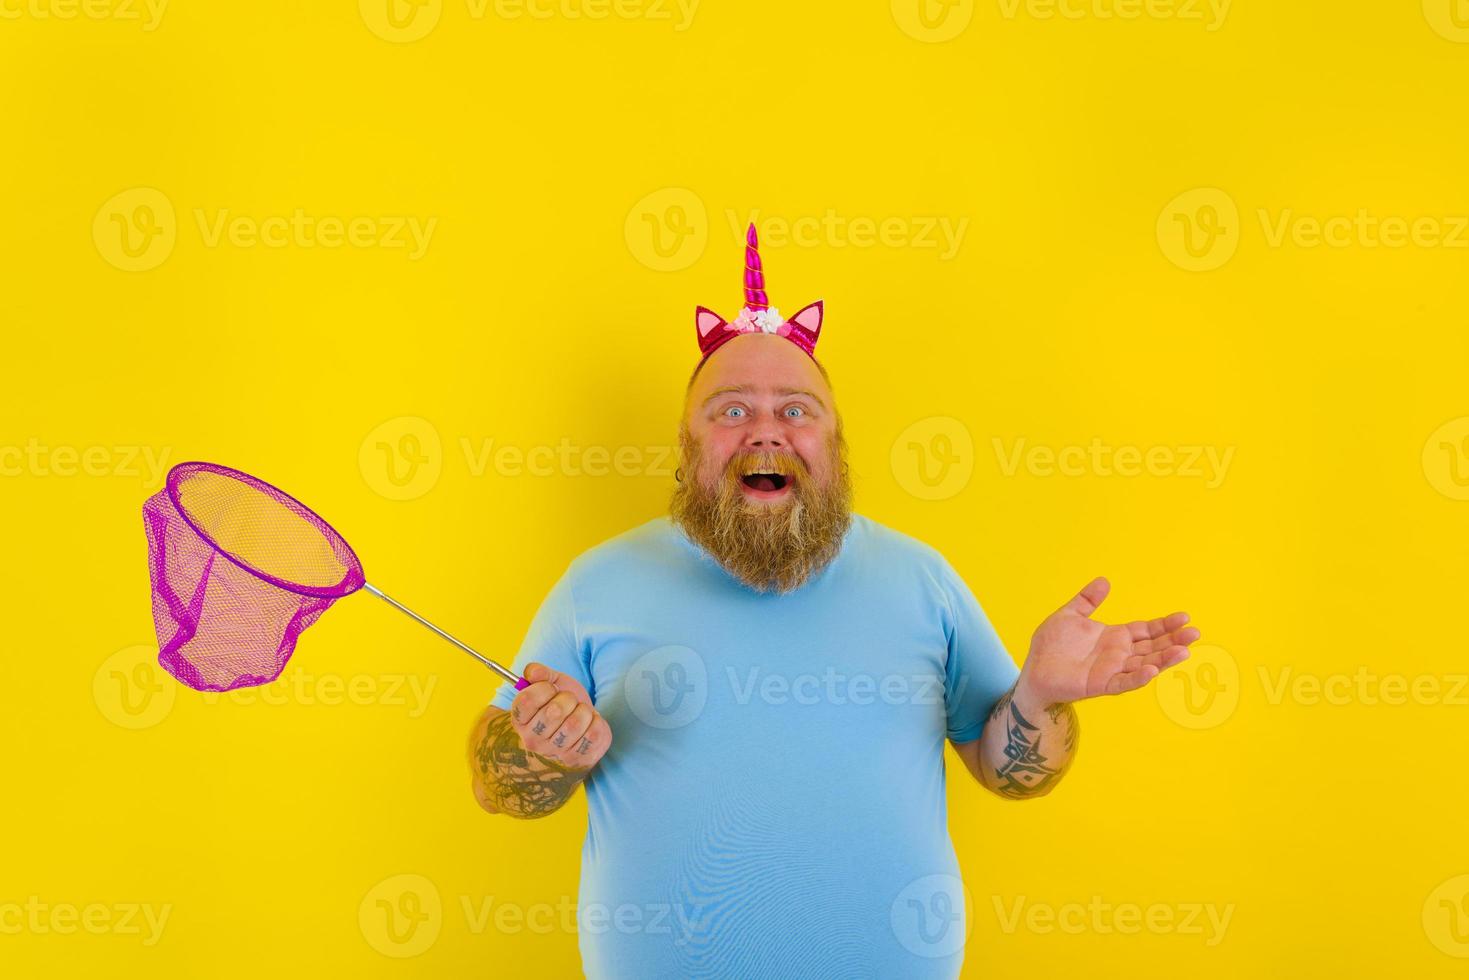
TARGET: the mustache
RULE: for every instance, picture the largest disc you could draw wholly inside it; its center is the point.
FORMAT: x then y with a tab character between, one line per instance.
786	464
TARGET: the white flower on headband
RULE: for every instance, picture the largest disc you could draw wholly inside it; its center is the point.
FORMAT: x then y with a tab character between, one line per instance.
765	321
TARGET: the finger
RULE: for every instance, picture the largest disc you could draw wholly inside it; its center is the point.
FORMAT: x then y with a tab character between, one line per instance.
537	671
565	739
1182	637
1162	659
1131	680
530	700
537	735
1144	629
1090	597
593	744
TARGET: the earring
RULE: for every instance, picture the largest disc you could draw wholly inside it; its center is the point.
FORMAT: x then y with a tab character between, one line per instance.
678	475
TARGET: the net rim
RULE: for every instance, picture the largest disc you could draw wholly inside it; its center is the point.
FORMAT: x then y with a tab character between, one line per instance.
350	583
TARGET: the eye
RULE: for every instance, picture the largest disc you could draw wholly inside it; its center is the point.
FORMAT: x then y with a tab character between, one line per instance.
733	409
794	412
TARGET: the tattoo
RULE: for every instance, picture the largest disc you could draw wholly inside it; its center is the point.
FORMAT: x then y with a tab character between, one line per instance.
583	747
1028	770
540	728
560	739
517	781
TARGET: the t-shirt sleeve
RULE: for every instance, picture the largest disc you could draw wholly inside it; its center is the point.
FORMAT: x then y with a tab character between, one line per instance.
552	640
979	669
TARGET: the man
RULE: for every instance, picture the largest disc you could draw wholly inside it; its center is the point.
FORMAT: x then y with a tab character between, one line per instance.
756	689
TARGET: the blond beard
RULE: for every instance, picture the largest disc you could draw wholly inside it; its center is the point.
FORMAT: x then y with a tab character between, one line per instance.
771	548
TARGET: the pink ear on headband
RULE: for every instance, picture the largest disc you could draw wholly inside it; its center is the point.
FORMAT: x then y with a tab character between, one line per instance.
758	316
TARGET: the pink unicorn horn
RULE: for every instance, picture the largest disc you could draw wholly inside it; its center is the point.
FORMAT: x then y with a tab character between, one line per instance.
755	297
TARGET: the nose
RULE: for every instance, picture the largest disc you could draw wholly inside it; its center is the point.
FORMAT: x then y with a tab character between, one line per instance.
765	436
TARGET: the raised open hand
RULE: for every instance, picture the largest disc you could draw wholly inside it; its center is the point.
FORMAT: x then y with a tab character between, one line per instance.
1072	656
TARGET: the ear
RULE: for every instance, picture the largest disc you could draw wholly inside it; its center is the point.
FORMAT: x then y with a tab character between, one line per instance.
707	321
809	320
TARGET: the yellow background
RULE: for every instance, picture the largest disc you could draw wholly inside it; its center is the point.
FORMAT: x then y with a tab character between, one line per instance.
548	151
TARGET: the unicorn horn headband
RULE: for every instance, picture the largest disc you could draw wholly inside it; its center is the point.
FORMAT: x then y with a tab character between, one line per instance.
758	316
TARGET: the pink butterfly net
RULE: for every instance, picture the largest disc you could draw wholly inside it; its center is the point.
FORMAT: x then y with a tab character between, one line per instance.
239	570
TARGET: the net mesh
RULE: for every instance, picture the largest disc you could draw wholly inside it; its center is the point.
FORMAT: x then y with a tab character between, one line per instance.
239	569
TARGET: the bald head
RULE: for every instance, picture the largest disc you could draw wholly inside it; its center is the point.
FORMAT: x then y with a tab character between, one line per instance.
757	357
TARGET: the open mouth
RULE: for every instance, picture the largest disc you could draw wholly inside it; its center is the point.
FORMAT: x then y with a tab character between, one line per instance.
765	482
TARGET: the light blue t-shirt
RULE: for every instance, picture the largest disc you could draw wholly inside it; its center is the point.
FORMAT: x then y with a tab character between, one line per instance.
773	801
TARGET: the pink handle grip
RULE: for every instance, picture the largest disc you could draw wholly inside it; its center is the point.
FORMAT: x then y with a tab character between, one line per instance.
522	684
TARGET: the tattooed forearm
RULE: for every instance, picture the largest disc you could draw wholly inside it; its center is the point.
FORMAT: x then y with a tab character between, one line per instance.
1032	755
516	781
